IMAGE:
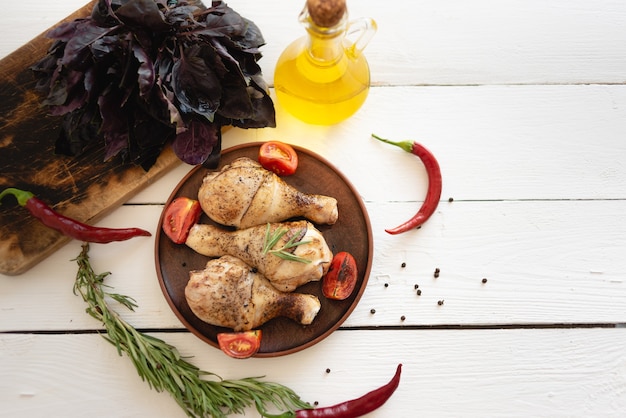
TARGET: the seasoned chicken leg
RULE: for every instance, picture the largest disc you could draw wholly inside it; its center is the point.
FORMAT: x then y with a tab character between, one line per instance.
248	245
244	194
228	293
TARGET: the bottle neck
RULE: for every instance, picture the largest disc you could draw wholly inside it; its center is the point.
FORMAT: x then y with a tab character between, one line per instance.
325	46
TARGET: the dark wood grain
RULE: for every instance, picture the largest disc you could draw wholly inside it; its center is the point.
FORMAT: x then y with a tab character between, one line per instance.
352	233
86	187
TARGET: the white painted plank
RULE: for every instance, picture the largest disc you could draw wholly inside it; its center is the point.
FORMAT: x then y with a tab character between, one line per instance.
426	42
475	42
493	142
498	42
473	373
546	262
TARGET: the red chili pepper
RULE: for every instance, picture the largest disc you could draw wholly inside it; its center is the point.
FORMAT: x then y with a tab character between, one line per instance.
434	184
353	408
68	226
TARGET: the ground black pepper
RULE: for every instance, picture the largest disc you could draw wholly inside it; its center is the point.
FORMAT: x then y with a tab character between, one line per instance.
419	292
403	265
440	302
386	284
327	370
437	271
402	318
484	280
372	311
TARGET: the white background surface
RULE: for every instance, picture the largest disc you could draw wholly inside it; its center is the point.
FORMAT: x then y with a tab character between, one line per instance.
524	104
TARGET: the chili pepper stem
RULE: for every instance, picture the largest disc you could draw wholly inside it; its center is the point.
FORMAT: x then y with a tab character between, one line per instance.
21	195
405	145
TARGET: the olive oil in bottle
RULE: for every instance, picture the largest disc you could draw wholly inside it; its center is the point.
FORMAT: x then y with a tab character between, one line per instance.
323	77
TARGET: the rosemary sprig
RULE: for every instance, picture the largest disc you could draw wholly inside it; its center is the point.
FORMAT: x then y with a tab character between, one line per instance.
272	238
162	367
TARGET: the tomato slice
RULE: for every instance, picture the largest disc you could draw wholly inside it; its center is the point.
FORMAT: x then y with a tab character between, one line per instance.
180	215
341	278
242	344
278	157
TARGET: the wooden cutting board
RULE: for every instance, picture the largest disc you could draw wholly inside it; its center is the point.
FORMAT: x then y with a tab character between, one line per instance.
85	188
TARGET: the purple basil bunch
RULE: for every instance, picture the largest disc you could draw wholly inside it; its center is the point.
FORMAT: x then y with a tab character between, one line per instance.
138	74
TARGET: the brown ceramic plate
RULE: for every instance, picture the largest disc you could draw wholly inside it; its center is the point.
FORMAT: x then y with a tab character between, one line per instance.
352	233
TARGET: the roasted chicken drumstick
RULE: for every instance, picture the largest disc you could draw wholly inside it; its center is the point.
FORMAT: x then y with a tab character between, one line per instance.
248	245
229	293
244	194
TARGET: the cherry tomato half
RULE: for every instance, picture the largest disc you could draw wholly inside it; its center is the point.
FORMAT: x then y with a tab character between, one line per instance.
180	215
341	278
240	344
278	157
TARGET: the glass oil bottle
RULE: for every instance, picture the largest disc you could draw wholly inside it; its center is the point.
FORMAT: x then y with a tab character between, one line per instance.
323	77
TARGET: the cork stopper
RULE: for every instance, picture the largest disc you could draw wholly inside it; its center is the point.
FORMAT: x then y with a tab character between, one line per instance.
326	13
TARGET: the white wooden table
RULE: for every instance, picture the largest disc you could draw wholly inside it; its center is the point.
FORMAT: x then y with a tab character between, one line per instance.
524	104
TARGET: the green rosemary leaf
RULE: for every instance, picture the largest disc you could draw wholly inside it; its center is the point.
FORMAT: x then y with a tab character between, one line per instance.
271	239
130	303
199	393
293	243
285	255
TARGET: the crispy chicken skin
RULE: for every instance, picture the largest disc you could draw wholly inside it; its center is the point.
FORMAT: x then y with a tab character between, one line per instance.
247	245
244	194
229	293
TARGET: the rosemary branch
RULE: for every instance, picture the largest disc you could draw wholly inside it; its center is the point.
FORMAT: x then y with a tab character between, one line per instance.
162	367
272	238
